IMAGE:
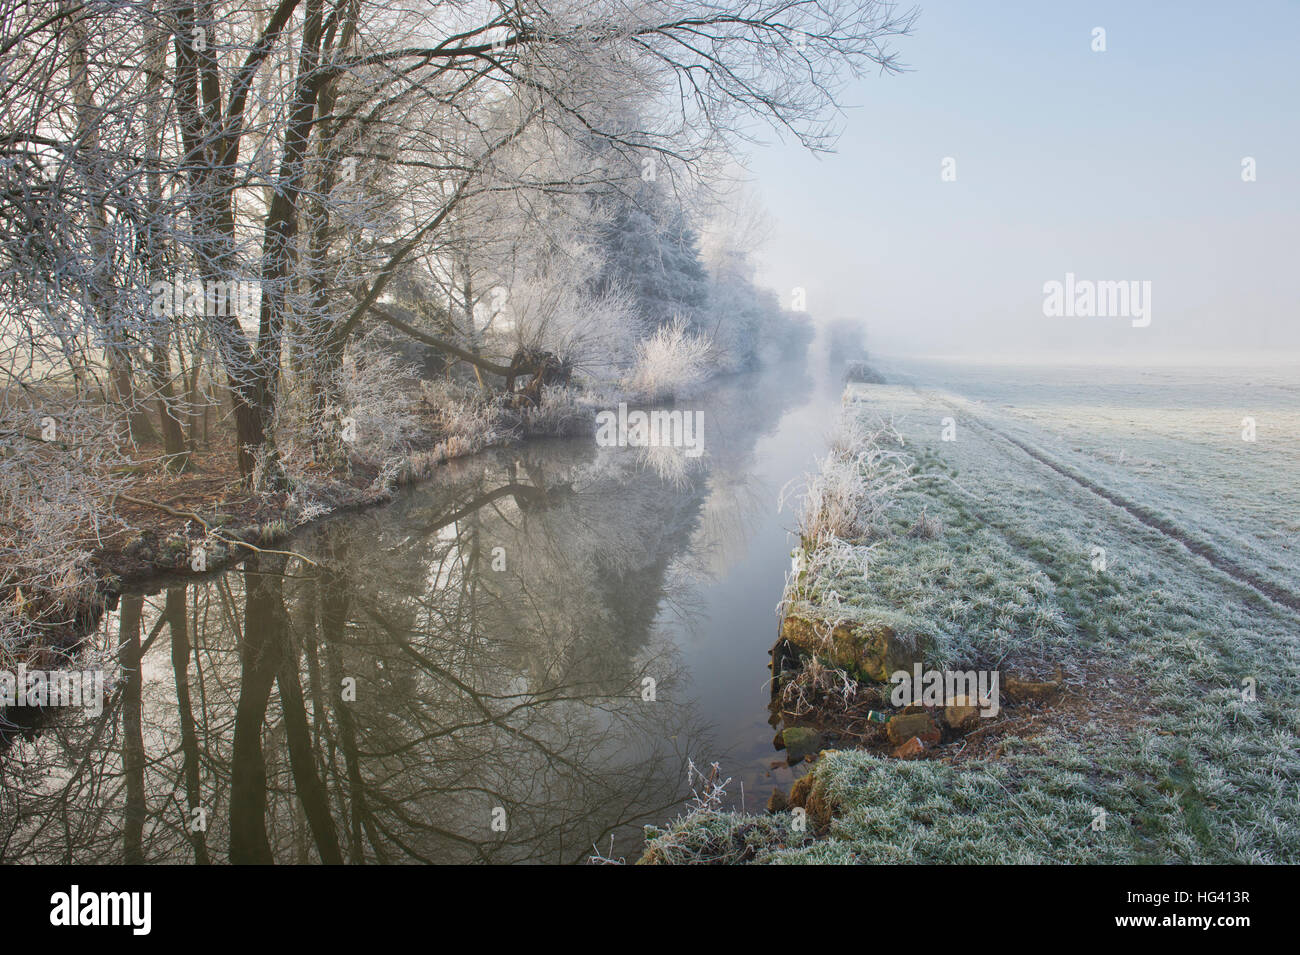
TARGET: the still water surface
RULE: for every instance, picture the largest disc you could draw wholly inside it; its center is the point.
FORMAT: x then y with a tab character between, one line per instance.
461	676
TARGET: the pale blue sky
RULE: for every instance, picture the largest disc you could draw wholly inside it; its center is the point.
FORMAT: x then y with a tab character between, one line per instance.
1117	165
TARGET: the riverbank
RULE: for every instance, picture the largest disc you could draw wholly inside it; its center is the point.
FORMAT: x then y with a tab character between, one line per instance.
159	525
501	620
1145	710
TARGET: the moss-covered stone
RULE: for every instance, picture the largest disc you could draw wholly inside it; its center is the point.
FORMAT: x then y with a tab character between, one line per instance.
800	741
869	651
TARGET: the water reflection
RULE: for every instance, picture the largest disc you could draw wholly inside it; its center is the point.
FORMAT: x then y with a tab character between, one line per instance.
483	671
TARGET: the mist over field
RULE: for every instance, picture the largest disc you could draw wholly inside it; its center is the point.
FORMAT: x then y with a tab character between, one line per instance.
1122	164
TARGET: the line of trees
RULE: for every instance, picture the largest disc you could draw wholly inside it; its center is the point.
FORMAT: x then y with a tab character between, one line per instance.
207	206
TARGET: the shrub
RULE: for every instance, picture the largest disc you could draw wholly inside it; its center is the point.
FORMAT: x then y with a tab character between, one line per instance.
671	363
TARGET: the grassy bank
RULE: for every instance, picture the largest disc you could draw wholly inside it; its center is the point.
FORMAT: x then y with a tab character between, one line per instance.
971	554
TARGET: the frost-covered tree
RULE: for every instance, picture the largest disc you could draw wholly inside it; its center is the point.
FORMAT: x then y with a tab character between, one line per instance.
315	149
652	252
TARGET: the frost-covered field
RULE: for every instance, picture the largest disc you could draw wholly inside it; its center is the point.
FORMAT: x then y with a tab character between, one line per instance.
1169	437
1195	601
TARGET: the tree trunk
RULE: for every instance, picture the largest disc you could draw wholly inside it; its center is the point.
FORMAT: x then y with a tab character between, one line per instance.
178	625
101	286
133	758
210	153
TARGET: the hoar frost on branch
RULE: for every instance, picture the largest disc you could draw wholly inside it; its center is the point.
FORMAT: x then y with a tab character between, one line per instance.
457	174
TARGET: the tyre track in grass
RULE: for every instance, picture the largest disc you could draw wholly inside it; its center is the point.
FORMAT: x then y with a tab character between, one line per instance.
1141	513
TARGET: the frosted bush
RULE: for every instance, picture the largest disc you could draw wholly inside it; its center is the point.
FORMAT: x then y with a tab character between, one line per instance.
562	413
463	417
671	363
376	393
593	333
857	482
55	479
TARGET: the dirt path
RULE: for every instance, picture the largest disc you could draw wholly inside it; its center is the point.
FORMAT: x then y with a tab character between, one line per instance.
1139	512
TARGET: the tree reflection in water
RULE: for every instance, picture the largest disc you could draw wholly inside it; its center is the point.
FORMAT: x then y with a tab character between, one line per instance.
499	629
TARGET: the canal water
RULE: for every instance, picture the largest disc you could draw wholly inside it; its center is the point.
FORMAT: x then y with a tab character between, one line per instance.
512	662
